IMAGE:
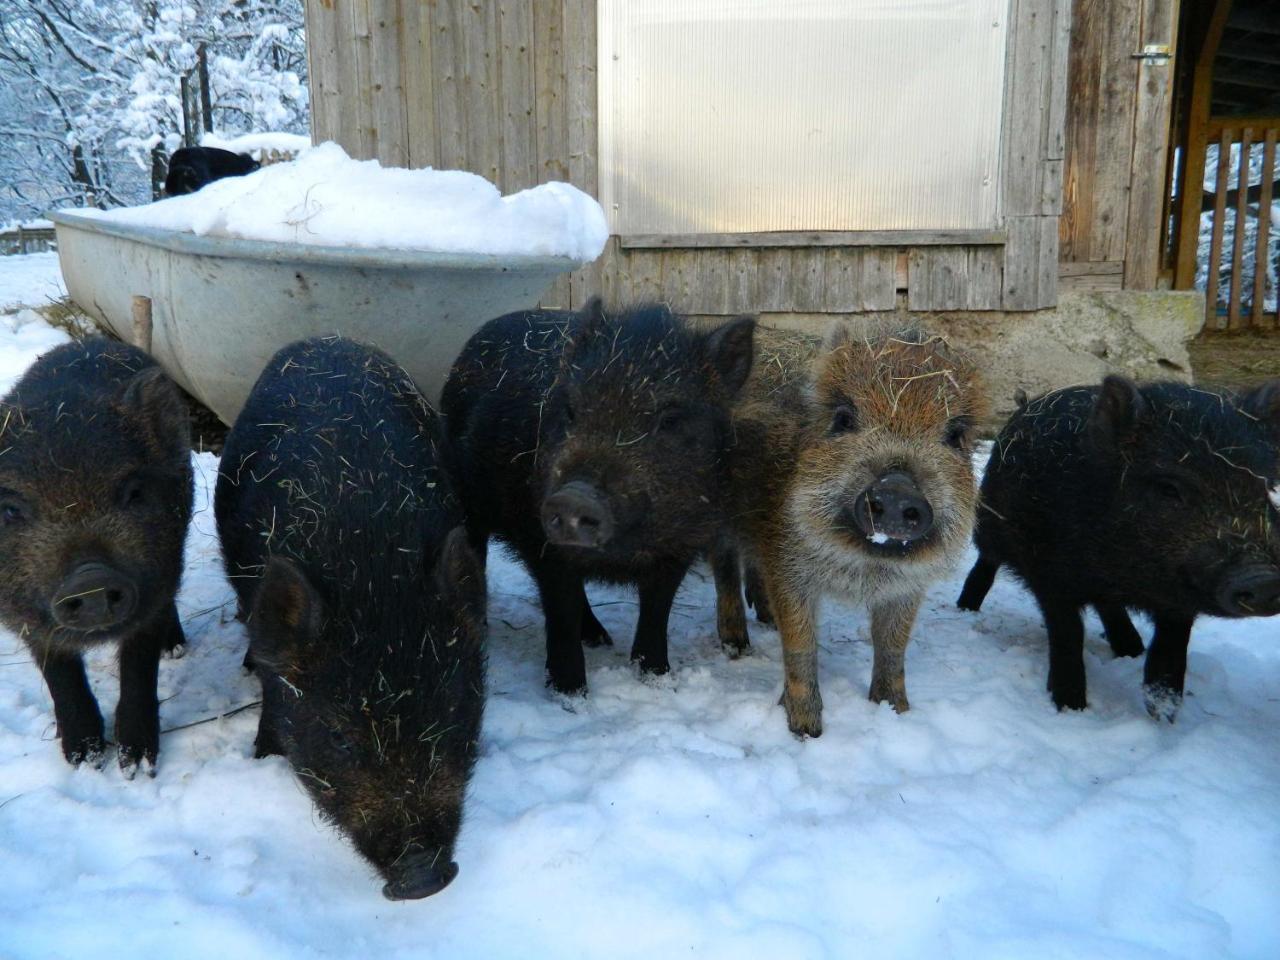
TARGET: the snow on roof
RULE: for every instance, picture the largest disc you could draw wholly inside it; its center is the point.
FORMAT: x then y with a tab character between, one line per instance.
327	199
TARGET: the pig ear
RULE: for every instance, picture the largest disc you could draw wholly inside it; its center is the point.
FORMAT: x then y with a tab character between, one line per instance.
460	579
155	401
730	349
1119	409
838	335
1263	403
287	613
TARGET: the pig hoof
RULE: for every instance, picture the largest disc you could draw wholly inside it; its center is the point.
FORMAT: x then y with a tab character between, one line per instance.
176	652
1069	701
899	700
568	688
133	759
90	750
413	882
655	668
736	647
804	717
1162	702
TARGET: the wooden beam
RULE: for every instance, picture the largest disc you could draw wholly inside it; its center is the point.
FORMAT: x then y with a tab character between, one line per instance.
1197	141
1237	239
1260	258
1215	237
805	238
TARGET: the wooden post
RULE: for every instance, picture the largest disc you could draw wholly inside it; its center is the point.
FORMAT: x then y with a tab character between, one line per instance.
1261	260
142	323
1219	222
1184	277
1237	245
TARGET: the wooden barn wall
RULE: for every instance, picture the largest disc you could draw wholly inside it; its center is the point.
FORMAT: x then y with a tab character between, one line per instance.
507	89
1117	142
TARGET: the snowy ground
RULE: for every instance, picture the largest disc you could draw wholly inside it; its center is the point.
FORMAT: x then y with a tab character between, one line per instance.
678	817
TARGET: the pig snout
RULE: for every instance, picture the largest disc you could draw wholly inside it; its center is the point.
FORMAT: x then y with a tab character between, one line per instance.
893	507
94	597
577	515
1250	591
418	876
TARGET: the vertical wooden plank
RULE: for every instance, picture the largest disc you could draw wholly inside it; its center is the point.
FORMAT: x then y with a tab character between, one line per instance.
417	78
841	280
742	281
474	40
1215	244
1113	149
1197	142
983	278
551	119
937	278
711	283
1030	26
678	279
1021	262
516	95
1059	73
1261	254
774	281
1147	177
323	71
580	43
879	279
1237	240
1046	267
808	267
451	138
387	93
362	66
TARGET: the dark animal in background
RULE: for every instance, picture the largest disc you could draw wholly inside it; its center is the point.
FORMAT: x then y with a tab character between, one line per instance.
191	168
851	476
95	498
594	444
1154	498
366	607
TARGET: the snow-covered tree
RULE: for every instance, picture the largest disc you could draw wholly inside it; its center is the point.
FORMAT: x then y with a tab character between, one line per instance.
92	93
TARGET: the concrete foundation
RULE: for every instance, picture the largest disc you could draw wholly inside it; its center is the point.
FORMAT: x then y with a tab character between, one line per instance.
1089	334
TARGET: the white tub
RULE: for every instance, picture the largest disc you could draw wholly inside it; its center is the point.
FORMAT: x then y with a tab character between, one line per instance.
222	307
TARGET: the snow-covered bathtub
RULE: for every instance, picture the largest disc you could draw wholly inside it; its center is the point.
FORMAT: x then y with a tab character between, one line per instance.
221	306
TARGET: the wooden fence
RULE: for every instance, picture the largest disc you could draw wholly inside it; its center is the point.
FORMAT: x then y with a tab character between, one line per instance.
1234	199
27	240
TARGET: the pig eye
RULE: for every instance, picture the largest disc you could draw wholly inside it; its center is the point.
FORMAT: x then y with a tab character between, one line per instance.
569	413
11	514
671	418
134	493
1168	489
957	434
844	420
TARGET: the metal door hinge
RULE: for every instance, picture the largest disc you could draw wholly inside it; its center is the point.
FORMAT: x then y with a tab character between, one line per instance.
1156	54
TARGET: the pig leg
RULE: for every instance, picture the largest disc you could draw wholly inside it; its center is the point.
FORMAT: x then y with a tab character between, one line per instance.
1124	639
757	598
891	623
79	721
731	616
1166	668
1066	651
267	743
656	597
593	632
560	590
138	712
796	612
976	585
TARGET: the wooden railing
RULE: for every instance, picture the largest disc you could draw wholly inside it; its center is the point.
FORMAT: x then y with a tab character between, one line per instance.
27	240
1244	305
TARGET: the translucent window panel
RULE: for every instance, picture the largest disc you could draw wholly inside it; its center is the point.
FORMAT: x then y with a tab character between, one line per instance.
726	116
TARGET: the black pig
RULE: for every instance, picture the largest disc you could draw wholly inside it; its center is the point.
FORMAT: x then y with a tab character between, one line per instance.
1151	498
191	168
366	607
594	445
95	498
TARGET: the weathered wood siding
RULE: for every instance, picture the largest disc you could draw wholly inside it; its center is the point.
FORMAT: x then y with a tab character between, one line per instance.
507	89
1117	141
